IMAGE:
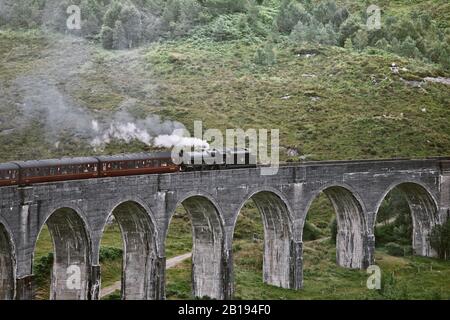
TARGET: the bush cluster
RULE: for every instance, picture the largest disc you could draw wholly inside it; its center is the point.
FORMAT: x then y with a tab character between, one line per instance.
122	24
415	35
440	240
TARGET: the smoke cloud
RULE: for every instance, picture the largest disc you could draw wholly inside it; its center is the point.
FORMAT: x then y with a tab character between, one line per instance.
44	95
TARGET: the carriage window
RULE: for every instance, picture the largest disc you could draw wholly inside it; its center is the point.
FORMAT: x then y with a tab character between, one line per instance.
2	175
115	165
163	164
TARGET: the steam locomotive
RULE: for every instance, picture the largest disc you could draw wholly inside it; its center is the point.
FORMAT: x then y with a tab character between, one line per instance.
38	171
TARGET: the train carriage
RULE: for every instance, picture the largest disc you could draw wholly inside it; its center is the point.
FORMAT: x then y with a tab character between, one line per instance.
136	164
37	171
9	174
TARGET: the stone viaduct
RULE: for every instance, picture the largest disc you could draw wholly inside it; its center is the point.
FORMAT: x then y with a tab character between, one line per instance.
76	213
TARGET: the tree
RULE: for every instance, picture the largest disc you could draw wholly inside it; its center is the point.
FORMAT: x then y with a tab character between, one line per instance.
348	44
265	55
382	44
112	14
408	48
349	28
217	7
119	37
315	32
325	11
291	12
106	35
132	24
440	240
361	40
91	18
340	16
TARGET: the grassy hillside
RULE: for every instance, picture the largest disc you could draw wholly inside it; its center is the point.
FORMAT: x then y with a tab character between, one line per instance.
334	105
327	101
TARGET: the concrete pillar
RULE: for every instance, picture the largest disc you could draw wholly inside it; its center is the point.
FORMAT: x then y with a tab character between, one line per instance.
444	205
157	279
369	251
296	265
94	283
227	275
25	288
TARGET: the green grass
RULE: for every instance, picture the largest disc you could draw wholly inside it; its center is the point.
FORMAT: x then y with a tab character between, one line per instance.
340	105
402	277
179	241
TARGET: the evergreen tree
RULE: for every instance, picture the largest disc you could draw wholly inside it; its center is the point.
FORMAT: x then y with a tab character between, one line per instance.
349	28
112	14
130	18
440	240
106	35
348	44
291	12
360	40
120	41
408	48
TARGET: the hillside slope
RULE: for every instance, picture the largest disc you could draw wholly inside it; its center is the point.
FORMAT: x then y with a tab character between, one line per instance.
237	67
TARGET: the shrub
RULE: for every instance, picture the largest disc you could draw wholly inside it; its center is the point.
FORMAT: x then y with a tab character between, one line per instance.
333	230
348	28
112	14
348	44
408	48
265	55
217	7
440	240
132	24
42	268
119	37
315	32
361	40
225	28
311	232
395	249
106	36
291	12
110	253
